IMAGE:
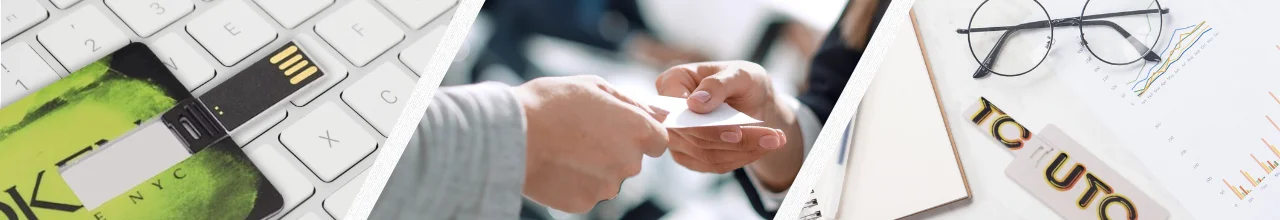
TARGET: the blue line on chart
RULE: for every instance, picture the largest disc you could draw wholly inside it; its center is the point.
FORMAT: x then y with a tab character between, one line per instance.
1193	44
1166	49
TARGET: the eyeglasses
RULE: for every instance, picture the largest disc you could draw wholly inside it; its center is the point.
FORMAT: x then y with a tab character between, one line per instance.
1112	31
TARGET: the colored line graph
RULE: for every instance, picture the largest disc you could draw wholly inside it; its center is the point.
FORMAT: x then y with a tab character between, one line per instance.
1186	41
1162	51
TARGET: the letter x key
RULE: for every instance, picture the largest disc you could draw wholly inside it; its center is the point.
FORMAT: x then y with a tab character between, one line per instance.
329	138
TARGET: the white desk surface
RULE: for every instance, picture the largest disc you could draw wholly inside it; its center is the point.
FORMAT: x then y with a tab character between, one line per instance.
1034	100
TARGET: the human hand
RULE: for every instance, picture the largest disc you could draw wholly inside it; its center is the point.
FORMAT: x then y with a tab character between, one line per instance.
746	87
584	139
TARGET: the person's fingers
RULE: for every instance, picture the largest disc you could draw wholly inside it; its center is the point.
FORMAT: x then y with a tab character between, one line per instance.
659	114
713	153
592	187
652	138
597	189
678	81
763	137
713	90
690	162
655	139
726	134
603	85
752	138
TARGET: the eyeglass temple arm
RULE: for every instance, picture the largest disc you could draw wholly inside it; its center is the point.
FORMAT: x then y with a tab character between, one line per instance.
1040	24
1142	48
984	70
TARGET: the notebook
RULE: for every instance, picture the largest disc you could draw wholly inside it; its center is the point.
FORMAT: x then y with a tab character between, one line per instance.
897	158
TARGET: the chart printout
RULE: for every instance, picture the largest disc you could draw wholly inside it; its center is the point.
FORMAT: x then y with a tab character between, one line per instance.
1203	118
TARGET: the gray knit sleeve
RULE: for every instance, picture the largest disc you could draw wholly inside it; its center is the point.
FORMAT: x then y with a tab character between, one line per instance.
466	160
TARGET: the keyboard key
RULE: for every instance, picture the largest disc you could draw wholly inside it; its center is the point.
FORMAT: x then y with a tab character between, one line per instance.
328	141
359	32
293	186
417	13
231	32
291	13
334	70
81	38
64	4
187	65
19	15
23	72
340	202
418	55
257	125
146	17
381	96
309	216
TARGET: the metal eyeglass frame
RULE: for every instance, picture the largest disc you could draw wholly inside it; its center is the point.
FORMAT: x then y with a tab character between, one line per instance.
984	67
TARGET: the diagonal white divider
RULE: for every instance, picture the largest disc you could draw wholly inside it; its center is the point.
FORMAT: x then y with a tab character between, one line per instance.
824	149
434	72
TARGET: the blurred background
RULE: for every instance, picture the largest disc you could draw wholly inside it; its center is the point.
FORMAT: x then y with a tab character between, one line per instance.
630	42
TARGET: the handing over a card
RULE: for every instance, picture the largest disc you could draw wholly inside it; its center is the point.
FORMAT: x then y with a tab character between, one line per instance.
581	137
724	116
679	115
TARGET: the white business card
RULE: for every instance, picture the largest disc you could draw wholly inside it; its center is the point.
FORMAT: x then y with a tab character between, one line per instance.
679	115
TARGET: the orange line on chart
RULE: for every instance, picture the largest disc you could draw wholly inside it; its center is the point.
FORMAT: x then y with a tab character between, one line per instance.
1233	189
1273	97
1168	61
1263	165
1273	124
1273	147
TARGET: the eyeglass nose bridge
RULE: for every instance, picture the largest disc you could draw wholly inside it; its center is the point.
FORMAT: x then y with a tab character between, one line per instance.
1074	21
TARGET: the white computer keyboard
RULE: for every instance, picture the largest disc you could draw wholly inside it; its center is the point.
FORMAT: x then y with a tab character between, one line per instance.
316	145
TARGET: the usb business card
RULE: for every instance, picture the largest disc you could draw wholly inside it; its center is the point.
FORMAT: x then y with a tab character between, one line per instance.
263	84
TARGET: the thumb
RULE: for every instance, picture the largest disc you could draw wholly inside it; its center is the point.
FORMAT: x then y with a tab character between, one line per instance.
713	90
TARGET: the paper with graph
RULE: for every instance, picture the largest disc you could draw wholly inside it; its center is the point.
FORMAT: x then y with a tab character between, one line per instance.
1203	119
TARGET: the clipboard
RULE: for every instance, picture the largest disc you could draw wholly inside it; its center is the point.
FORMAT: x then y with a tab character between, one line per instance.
898	158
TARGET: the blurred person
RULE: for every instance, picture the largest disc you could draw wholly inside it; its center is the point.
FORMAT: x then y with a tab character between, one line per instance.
611	25
762	159
564	142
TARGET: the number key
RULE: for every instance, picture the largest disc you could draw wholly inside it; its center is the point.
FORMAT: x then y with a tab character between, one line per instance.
81	38
23	73
146	17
